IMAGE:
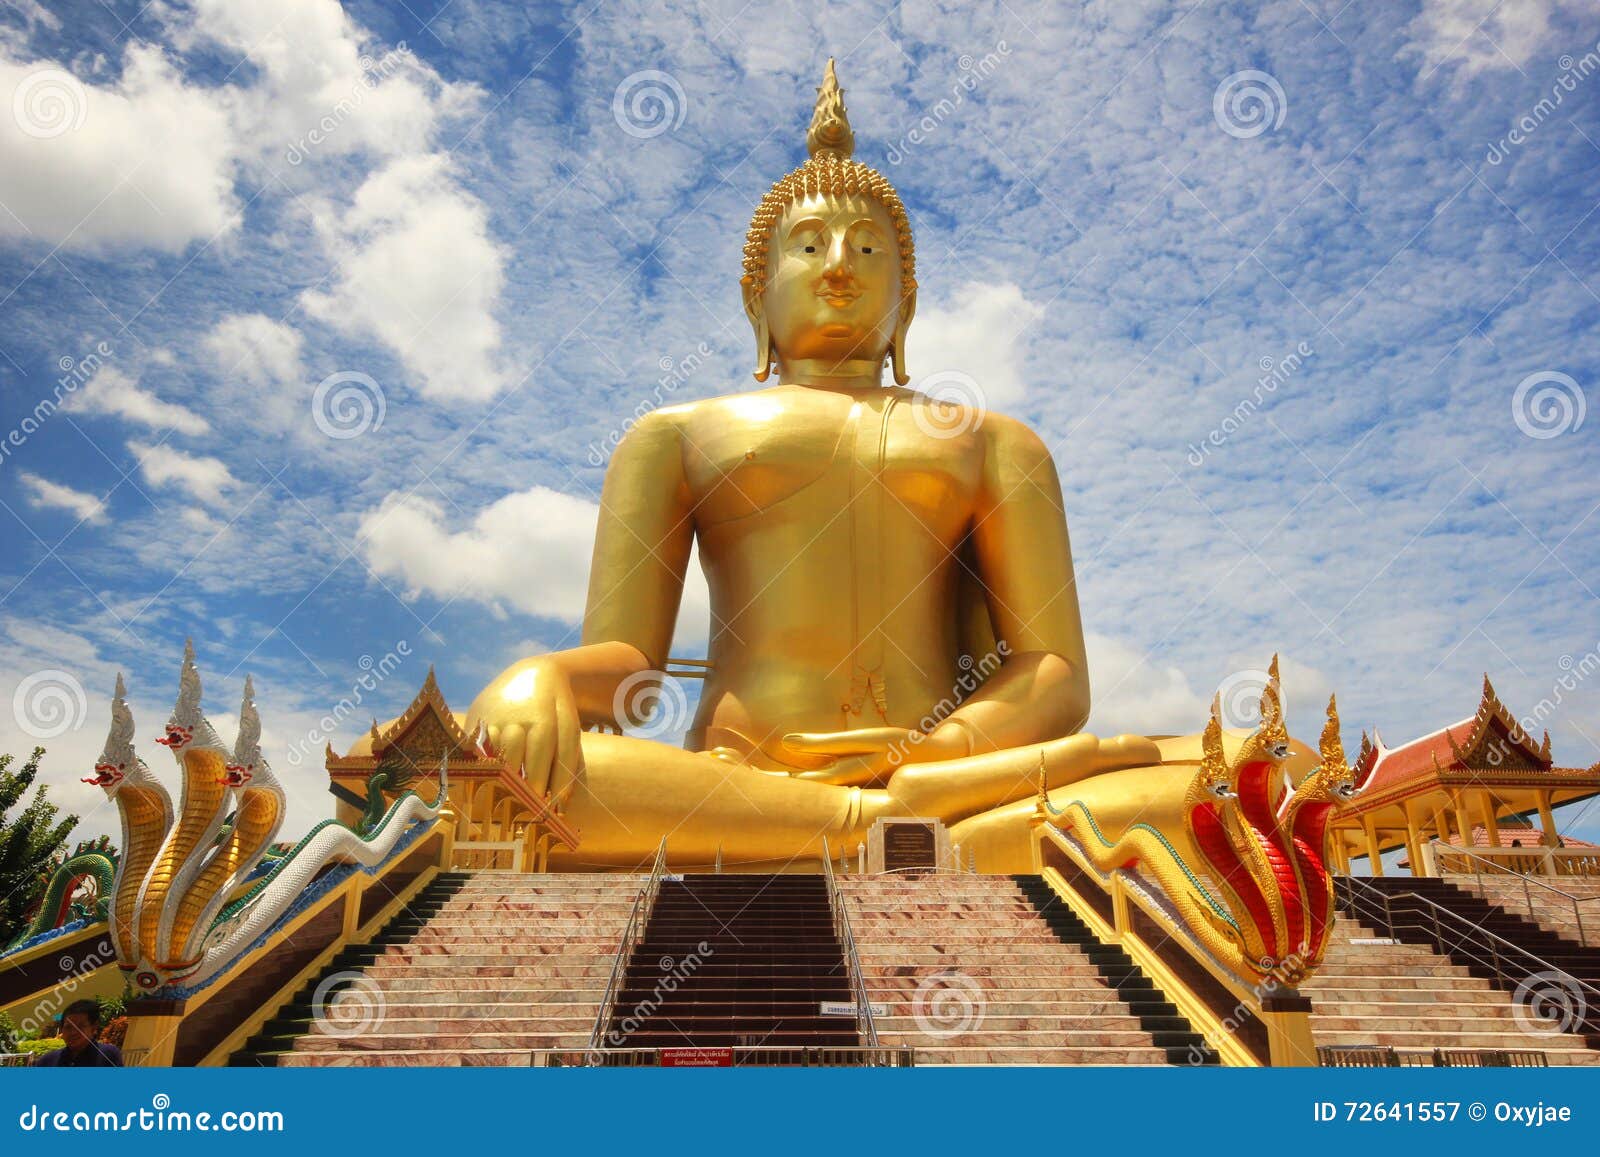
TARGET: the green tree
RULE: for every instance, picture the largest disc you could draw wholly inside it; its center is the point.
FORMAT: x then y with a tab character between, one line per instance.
26	842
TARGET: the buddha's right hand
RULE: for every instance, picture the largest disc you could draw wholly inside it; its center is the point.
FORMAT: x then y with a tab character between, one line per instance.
533	723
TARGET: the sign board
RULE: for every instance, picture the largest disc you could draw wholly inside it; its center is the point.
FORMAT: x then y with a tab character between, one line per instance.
909	845
848	1008
692	1058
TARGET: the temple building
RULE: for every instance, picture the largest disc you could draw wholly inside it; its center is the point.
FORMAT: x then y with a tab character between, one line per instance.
1475	785
500	822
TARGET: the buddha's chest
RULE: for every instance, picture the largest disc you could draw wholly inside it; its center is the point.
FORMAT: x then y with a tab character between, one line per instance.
827	461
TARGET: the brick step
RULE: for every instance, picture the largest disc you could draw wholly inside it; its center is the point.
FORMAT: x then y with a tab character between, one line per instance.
1436	967
1482	1019
986	1024
399	1042
488	967
1035	1056
407	1058
426	990
1429	1039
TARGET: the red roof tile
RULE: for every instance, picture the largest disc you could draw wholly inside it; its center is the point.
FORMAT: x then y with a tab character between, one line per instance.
1396	765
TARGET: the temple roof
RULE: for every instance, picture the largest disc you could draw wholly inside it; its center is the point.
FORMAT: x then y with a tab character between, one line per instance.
1487	747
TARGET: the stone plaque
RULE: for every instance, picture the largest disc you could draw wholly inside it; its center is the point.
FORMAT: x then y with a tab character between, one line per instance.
909	845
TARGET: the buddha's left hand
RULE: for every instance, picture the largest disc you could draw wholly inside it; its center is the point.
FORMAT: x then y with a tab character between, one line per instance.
865	756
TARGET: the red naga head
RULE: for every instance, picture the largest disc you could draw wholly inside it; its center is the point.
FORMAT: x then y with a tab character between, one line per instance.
237	774
107	775
177	737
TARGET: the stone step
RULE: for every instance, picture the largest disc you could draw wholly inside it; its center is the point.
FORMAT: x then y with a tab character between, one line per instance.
945	1054
408	1058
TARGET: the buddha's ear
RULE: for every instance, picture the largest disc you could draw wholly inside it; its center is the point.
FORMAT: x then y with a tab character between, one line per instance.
897	343
755	309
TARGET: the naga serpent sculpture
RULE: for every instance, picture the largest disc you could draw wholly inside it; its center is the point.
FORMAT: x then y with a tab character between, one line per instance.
94	860
171	918
1263	908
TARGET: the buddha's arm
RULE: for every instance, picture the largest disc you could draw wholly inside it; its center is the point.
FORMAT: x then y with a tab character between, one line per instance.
1024	560
642	543
535	709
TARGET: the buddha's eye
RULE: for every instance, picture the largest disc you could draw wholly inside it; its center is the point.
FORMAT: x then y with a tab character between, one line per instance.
866	249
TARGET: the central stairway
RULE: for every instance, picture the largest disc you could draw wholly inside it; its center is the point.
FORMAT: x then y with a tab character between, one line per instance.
735	961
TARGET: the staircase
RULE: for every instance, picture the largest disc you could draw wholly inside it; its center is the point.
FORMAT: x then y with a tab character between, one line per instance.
736	960
996	970
479	969
1370	991
1546	908
1416	922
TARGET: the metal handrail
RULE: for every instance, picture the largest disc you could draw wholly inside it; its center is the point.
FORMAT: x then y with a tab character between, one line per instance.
841	927
1495	953
1443	849
643	904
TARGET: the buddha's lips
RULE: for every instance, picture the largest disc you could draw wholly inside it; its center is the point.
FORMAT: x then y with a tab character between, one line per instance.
839	297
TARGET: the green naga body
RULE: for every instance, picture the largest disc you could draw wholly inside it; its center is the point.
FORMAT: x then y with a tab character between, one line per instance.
94	860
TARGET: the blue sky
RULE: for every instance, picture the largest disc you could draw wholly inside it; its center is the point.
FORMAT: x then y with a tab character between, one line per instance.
1311	335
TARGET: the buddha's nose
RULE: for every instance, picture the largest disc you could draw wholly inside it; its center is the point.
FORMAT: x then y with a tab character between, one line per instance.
837	264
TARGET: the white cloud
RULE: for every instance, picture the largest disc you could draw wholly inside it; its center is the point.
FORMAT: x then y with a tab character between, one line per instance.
418	270
259	379
976	330
1484	35
206	479
144	161
529	550
111	391
44	493
1131	695
322	88
256	348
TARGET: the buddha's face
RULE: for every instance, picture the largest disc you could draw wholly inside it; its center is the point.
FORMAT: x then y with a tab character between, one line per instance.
834	292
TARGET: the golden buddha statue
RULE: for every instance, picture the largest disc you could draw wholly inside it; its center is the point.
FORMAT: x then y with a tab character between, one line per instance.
895	623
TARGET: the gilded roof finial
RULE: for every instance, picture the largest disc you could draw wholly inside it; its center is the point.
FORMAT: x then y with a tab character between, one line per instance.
830	133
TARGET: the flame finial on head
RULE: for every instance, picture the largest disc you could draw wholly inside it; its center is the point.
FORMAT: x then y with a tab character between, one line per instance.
247	748
186	711
117	759
830	133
